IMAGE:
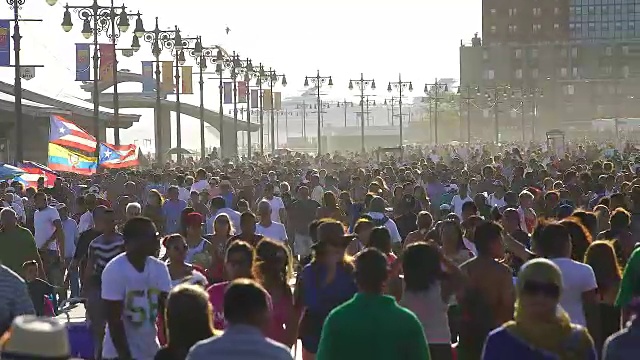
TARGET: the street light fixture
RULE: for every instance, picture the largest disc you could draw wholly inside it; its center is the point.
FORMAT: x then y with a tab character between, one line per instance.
159	40
180	44
272	78
318	81
435	89
494	97
362	84
96	20
400	85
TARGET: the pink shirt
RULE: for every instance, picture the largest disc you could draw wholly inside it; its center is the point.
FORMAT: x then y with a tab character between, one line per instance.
279	317
216	297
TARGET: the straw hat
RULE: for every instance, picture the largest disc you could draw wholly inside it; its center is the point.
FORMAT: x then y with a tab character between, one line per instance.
36	338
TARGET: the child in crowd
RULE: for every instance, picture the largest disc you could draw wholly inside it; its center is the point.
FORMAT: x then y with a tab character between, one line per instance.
39	290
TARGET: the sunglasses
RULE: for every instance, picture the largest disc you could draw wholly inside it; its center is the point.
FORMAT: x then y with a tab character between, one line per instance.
539	288
179	247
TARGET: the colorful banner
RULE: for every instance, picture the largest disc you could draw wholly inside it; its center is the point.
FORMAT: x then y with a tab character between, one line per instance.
228	93
168	84
267	101
148	81
255	99
277	100
66	133
63	159
118	157
187	80
242	92
107	59
83	62
5	43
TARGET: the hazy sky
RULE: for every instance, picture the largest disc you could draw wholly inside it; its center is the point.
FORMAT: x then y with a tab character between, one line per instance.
419	38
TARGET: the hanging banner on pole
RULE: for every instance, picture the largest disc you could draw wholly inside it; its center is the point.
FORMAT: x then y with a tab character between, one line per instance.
27	72
254	99
148	82
267	101
228	93
187	80
277	100
107	59
168	84
242	92
83	62
5	43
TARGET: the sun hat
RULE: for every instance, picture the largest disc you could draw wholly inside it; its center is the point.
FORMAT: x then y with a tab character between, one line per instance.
333	232
36	338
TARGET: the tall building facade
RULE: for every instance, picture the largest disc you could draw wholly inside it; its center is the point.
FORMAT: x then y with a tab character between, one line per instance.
583	55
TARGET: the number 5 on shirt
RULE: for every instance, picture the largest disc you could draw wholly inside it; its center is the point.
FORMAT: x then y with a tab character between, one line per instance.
142	306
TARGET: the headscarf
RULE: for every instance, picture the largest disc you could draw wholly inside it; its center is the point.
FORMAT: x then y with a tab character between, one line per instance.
556	336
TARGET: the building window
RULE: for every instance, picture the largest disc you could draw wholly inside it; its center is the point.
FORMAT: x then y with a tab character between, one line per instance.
536	27
518	73
574	52
485	113
612	89
556	26
607	70
592	10
493	29
605	10
574	72
625	50
537	11
605	26
592	26
618	25
563	53
518	53
632	25
556	11
485	55
493	12
534	53
489	75
563	72
625	71
535	73
608	51
513	28
568	90
513	12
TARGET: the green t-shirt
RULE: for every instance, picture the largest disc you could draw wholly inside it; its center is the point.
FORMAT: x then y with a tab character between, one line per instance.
17	247
372	327
630	284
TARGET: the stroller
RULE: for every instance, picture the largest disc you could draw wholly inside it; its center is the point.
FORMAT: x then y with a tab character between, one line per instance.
80	336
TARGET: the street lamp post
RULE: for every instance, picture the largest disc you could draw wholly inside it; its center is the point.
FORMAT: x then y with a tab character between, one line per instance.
15	5
466	97
534	94
97	19
318	81
272	79
160	40
400	85
362	85
433	91
180	44
391	102
496	96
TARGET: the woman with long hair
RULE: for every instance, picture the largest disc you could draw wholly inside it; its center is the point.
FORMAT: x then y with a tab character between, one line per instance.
540	329
222	232
430	280
452	239
580	237
153	209
423	203
323	284
602	258
380	239
238	263
188	316
273	270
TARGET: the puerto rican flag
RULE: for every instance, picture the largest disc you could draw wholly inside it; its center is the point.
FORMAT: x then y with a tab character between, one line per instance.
118	157
64	132
33	171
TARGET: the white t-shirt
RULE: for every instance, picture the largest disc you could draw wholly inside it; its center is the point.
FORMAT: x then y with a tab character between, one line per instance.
494	201
274	232
457	203
317	193
200	185
139	292
276	204
577	278
184	194
86	222
44	228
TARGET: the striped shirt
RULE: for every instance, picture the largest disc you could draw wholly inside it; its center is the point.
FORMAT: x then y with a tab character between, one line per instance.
14	298
102	250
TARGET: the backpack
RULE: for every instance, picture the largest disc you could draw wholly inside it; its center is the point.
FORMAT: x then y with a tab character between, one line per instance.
380	222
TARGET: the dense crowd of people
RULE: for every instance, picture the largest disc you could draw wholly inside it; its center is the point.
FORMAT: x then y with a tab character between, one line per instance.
448	252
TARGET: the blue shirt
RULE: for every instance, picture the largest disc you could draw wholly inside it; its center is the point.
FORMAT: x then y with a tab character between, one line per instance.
502	345
239	342
623	345
172	210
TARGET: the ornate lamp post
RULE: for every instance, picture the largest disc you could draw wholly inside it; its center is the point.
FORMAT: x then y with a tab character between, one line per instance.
496	96
272	78
160	40
362	84
96	20
433	92
318	81
400	86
